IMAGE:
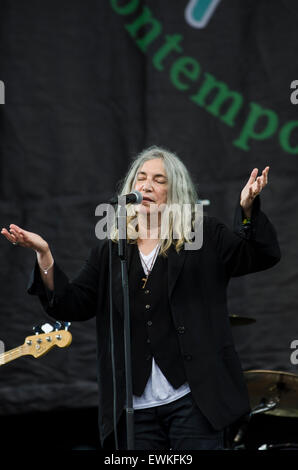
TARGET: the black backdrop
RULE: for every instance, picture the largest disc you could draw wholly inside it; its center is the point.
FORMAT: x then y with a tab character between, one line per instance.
85	93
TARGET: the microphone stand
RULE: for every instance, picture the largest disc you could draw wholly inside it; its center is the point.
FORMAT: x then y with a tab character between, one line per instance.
122	253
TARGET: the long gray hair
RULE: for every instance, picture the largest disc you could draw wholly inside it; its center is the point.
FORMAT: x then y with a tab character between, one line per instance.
181	200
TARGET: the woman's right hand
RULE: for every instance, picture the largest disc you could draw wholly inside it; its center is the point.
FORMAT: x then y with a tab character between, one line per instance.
24	238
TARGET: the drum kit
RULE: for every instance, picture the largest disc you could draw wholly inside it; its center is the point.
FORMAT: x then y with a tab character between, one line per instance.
271	392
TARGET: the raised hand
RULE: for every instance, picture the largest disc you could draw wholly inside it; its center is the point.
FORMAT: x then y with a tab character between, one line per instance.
253	187
21	237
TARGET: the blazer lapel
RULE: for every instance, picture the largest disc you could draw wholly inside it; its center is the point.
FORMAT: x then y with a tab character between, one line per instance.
175	264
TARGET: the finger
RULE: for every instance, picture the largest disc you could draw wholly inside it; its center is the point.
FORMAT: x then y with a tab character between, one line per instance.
23	238
19	238
259	183
265	173
16	228
24	233
265	179
15	235
255	188
13	232
5	232
19	235
253	176
10	237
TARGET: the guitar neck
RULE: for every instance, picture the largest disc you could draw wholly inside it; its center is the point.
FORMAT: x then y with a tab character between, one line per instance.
13	354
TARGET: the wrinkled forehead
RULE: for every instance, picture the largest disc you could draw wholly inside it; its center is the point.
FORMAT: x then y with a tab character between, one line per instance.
153	167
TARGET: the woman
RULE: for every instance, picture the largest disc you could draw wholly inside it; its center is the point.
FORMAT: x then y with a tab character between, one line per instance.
187	379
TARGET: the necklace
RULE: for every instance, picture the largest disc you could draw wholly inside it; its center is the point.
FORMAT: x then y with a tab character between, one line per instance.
149	269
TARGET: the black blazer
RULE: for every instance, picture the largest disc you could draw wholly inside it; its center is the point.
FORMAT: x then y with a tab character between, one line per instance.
197	284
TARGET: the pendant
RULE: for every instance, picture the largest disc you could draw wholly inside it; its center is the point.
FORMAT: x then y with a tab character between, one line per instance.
145	279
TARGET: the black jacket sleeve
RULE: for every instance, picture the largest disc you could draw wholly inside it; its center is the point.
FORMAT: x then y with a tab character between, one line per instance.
71	300
248	248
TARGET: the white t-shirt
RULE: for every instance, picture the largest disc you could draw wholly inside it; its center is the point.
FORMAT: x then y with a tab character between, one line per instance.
158	390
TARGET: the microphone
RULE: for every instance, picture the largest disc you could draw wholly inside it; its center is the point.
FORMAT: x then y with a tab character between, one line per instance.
135	197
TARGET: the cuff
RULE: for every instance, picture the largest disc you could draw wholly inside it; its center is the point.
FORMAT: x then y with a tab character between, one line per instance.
36	286
245	229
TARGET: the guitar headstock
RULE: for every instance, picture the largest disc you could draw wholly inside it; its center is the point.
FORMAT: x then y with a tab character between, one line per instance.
40	343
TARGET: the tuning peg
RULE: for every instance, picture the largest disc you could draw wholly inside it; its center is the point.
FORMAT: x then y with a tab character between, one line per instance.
47	328
67	325
57	326
37	330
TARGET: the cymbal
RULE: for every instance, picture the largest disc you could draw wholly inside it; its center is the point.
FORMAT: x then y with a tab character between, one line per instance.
266	386
236	320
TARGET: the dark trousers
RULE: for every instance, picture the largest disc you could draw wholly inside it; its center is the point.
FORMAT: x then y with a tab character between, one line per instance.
179	425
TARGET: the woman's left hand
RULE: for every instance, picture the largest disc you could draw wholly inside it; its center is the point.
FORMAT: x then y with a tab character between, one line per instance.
253	187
